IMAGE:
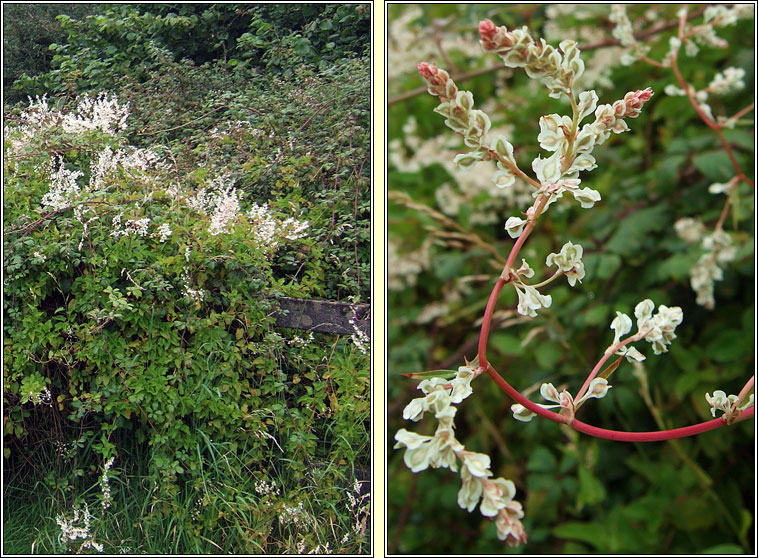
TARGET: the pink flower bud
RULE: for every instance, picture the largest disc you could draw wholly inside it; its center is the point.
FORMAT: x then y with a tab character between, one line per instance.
427	71
634	101
487	30
495	39
438	81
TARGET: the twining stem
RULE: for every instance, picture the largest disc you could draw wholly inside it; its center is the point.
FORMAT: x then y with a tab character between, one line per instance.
745	390
487	321
615	435
742	113
611	351
710	123
539	206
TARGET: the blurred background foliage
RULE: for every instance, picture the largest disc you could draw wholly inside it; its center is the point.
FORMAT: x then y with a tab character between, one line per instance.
447	245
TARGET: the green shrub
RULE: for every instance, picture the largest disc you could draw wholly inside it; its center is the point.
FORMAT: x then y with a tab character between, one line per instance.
139	304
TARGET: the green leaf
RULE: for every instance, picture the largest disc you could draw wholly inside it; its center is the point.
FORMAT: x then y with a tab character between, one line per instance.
676	267
506	343
635	228
548	354
715	165
729	345
542	460
725	548
591	490
592	533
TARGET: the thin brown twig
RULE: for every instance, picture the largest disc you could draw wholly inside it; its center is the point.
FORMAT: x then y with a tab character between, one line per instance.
42	219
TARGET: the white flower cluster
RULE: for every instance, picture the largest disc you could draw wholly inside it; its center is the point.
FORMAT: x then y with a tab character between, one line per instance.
556	136
78	527
690	230
494	496
727	82
727	404
297	517
265	488
404	268
226	208
556	68
412	153
569	261
598	388
163	232
717	16
360	339
198	295
708	268
529	298
138	227
624	32
103	113
270	231
656	329
63	186
704	34
105	488
408	41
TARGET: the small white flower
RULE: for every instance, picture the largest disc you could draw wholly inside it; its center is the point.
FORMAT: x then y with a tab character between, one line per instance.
470	491
530	300
554	130
587	197
496	495
478	464
548	170
569	260
598	388
515	226
621	325
522	413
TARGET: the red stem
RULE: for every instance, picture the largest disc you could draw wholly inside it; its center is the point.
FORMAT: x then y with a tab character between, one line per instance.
616	435
487	322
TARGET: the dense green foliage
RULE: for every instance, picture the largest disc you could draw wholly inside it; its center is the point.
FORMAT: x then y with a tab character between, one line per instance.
127	39
28	32
159	349
580	494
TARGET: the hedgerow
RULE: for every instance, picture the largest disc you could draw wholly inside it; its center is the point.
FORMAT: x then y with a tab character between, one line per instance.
149	231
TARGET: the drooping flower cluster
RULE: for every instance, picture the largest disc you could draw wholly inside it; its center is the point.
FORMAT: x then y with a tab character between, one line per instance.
708	268
460	115
78	527
727	404
656	329
138	227
105	488
494	496
719	250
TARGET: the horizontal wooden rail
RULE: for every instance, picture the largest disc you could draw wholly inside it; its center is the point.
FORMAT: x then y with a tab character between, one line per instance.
324	315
